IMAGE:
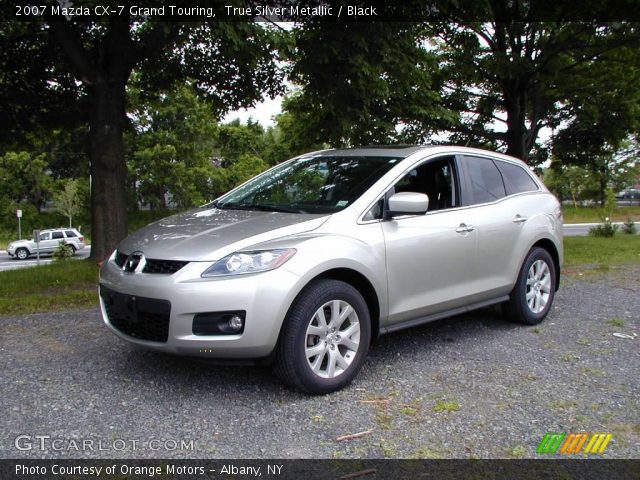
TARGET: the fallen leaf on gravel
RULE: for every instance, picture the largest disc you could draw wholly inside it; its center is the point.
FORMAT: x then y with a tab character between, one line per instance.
624	335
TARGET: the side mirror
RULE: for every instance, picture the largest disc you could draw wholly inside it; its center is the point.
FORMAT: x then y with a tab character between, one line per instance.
407	203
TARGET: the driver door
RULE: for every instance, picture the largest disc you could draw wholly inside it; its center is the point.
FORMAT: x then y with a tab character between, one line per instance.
430	257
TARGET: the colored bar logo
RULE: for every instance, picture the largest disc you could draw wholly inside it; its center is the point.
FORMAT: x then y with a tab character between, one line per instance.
573	443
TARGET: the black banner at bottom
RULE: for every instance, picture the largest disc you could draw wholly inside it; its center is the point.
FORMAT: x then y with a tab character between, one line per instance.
122	469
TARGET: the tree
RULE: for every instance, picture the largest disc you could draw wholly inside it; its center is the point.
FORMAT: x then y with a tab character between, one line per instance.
68	201
507	78
571	181
23	177
231	63
172	147
359	82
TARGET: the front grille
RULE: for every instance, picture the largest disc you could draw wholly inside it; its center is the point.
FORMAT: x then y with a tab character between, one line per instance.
139	317
167	267
163	266
120	258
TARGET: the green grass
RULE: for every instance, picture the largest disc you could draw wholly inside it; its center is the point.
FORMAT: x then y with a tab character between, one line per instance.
616	322
602	251
595	214
446	406
53	287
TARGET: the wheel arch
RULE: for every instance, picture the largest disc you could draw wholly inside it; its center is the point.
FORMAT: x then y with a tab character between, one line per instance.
550	247
361	283
366	289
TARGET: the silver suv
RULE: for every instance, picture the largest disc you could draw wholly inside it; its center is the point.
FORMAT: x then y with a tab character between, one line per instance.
50	239
308	263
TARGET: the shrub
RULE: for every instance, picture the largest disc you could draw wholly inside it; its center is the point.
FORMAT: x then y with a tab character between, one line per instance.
605	229
629	227
63	252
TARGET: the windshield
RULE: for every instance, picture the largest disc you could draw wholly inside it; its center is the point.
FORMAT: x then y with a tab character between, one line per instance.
318	184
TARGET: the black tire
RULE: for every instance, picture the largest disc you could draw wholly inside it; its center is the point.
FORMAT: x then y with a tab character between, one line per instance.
22	254
291	363
525	304
72	249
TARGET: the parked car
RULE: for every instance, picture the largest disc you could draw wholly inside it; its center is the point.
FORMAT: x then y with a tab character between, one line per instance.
308	263
49	240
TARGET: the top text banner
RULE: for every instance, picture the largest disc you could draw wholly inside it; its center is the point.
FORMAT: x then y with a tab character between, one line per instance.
315	10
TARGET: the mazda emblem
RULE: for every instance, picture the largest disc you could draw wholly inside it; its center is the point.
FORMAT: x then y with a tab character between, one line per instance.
134	263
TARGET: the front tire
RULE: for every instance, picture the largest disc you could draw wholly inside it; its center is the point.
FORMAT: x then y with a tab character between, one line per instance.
325	338
22	253
532	296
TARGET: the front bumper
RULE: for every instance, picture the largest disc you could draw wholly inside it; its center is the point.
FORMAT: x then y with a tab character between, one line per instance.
265	297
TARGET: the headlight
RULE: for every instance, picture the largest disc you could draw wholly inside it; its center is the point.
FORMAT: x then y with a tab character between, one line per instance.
249	262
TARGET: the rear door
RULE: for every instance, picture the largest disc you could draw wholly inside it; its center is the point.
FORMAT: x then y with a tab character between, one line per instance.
56	238
499	218
46	243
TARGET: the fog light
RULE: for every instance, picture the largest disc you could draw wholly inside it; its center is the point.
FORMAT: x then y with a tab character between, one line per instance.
235	322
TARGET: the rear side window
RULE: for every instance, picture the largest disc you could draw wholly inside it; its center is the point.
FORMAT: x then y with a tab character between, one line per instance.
485	179
70	233
516	178
57	235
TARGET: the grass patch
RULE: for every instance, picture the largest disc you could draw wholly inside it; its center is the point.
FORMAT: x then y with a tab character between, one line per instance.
616	322
55	286
572	214
602	251
446	406
519	451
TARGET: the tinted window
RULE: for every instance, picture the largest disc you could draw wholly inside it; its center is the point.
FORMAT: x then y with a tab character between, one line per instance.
436	179
486	181
69	233
315	184
56	235
516	178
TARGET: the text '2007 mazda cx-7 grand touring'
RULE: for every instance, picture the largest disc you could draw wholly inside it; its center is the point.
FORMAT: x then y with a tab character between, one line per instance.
305	264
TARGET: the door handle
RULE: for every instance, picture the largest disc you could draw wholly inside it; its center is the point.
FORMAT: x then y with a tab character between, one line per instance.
464	228
519	219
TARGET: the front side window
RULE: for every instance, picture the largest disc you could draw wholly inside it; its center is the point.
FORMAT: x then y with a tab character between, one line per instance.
45	236
316	184
436	179
485	179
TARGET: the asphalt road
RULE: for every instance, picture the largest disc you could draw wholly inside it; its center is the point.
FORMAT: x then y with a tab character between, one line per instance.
11	263
582	229
471	386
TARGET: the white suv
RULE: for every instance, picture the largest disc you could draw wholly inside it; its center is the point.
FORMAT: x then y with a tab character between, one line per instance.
49	240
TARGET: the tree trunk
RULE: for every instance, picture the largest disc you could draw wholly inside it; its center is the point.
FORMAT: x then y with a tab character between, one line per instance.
108	167
516	133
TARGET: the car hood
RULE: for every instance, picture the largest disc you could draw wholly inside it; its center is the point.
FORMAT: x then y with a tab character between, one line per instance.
200	234
20	243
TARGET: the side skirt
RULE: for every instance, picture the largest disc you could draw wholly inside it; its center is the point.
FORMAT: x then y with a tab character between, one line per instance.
437	316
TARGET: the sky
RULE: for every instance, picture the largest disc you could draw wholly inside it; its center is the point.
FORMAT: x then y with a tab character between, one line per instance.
263	112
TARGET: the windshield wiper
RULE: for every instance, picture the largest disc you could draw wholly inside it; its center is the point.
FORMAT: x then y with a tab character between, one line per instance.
262	208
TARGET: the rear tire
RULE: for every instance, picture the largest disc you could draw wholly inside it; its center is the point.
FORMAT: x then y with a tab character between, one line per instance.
532	296
325	338
22	253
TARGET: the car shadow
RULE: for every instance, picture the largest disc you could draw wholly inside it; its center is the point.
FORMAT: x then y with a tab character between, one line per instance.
190	377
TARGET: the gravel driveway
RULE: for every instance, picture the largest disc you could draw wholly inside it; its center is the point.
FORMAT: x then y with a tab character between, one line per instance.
471	386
